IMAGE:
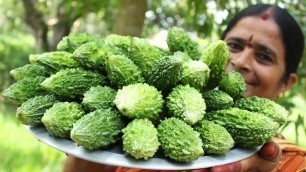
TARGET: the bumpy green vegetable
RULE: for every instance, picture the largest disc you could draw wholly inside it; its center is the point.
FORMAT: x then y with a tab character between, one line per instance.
121	71
233	83
264	106
98	97
139	101
57	60
216	139
217	100
34	57
24	89
71	83
248	129
178	40
98	129
73	41
185	94
29	71
164	74
123	42
31	111
144	55
140	139
194	73
59	119
186	103
215	55
92	55
179	141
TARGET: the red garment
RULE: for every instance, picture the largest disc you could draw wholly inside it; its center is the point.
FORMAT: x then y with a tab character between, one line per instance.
293	157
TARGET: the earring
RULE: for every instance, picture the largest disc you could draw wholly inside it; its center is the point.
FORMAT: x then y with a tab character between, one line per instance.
280	95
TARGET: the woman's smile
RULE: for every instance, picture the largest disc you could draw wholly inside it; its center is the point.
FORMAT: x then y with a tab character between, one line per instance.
257	53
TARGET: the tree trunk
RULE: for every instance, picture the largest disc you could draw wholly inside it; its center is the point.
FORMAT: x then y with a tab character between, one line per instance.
63	26
35	20
130	19
59	31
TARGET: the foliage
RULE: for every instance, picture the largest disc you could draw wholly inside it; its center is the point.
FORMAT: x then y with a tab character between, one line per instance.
11	16
14	50
17	144
204	18
207	18
294	129
73	9
48	21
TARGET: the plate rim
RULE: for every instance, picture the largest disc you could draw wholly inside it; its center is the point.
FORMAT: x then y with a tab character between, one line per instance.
105	156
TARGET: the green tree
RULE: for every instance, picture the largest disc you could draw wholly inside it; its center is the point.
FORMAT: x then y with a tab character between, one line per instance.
52	20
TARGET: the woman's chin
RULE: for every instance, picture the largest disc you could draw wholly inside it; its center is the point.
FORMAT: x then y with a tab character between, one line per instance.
249	91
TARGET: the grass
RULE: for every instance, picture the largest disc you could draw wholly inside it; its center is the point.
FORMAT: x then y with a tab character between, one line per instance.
20	151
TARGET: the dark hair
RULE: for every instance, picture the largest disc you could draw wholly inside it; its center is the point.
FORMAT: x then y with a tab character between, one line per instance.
292	35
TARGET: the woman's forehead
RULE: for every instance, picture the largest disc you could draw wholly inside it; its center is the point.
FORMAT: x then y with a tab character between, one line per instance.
257	24
256	30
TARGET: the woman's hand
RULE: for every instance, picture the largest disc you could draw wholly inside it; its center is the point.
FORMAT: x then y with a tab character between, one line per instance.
265	160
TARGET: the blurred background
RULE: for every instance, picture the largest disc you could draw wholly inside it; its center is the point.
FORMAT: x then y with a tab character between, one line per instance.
36	26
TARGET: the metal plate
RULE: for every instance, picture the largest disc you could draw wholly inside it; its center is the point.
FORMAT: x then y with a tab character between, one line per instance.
115	156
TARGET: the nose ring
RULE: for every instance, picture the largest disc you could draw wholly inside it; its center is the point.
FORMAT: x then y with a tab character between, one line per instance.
233	59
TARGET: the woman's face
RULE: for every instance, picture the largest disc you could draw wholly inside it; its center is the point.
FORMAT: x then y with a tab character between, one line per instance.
257	52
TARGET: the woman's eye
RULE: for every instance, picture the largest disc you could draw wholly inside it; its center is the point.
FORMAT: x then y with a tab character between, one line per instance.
234	47
263	58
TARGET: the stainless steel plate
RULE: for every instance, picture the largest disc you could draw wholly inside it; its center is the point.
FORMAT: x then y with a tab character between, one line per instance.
116	157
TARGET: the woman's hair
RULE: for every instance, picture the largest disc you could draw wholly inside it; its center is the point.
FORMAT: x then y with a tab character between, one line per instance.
291	33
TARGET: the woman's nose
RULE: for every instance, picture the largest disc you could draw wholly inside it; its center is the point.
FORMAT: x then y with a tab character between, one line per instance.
242	61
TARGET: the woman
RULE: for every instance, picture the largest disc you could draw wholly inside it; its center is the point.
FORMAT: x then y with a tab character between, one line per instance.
266	45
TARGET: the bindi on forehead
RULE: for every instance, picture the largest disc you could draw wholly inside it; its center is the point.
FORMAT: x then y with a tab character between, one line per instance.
264	16
249	44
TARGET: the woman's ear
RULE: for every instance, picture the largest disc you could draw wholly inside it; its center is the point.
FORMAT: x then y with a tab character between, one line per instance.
289	83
